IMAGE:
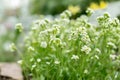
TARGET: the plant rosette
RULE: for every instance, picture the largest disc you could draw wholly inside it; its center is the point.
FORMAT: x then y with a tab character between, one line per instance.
67	49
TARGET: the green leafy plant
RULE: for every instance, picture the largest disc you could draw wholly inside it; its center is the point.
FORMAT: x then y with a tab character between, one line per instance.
66	49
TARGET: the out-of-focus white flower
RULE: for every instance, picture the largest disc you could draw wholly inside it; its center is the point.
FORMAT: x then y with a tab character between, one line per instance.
96	56
111	44
12	47
31	60
48	63
38	60
19	27
57	62
75	57
30	48
43	44
113	56
20	61
66	14
33	66
98	50
85	71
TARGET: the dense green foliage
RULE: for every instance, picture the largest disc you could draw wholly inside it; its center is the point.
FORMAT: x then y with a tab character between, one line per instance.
65	49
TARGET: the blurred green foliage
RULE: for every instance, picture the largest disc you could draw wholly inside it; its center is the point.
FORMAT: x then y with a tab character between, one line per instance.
57	6
5	40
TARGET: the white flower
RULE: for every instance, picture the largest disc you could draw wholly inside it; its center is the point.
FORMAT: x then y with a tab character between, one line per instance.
86	49
31	60
75	57
43	44
111	44
92	58
19	62
98	50
113	56
96	56
38	60
85	71
33	66
19	27
30	48
48	63
12	47
57	62
57	41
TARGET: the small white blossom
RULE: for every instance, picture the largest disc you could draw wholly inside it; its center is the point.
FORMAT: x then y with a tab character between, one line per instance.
19	27
48	63
85	38
30	48
12	47
85	71
89	12
43	44
92	57
96	56
98	50
86	49
111	44
57	62
33	66
113	56
38	60
20	61
75	57
31	60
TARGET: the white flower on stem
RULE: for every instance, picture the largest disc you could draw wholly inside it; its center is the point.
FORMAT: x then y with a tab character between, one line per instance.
43	44
111	44
30	48
57	62
12	47
48	63
85	71
75	57
96	56
20	61
19	27
86	49
38	60
33	66
98	50
113	56
31	60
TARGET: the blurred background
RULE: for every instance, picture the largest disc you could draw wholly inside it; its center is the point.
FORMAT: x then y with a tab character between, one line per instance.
26	11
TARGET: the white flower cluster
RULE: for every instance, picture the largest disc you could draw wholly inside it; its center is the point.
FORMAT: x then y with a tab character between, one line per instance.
75	57
86	49
58	43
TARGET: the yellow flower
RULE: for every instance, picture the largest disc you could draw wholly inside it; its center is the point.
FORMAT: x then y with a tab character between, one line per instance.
74	9
103	4
96	6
